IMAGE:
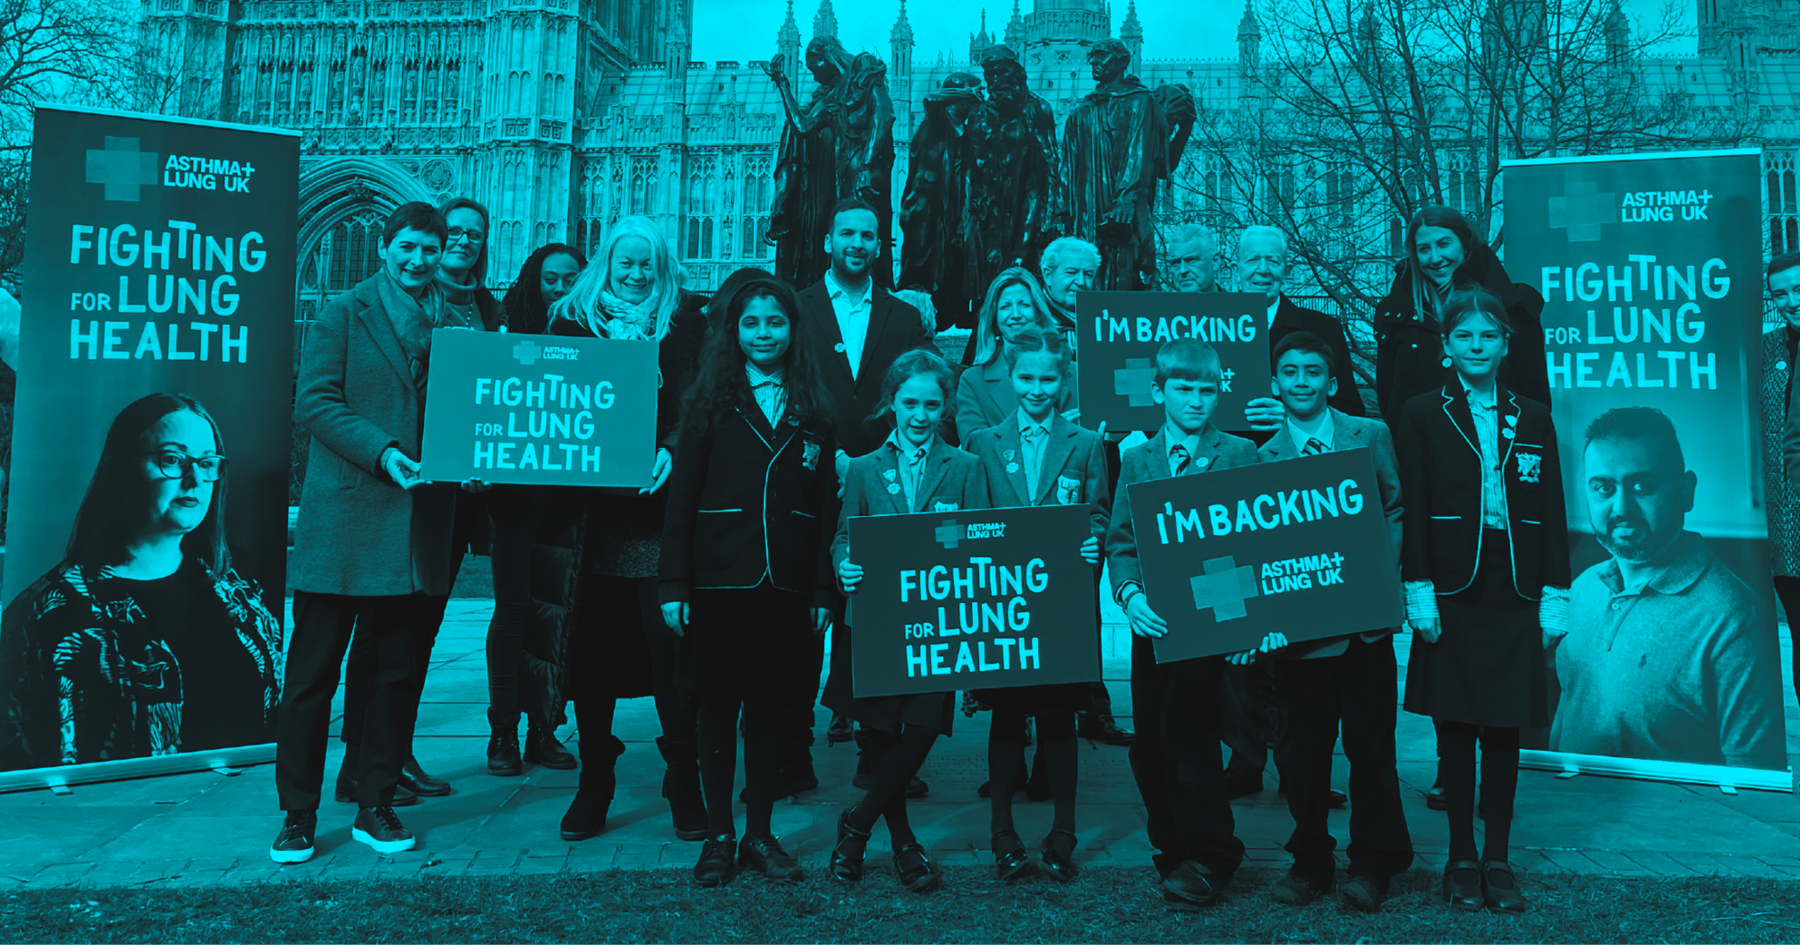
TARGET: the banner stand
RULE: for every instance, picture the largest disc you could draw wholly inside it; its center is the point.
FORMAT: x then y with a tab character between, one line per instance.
60	777
1726	779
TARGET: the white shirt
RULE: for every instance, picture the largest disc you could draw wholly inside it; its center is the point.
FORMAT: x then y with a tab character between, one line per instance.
852	318
1484	410
769	391
1326	434
1274	306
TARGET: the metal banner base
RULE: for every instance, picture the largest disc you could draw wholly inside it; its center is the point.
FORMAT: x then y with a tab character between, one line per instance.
226	761
1726	779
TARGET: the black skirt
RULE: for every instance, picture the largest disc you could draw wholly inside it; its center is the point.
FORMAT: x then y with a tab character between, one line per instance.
753	645
935	710
1488	666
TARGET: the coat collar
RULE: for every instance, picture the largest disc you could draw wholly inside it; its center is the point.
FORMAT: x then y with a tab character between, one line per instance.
366	306
1345	435
880	306
1456	407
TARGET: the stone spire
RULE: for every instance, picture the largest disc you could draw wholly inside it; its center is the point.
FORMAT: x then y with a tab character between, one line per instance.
787	42
900	46
675	55
1131	33
1249	41
1015	29
979	42
824	21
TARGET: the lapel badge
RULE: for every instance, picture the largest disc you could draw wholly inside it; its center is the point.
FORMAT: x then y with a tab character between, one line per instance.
888	474
893	488
1201	461
1012	467
1508	433
1512	419
1008	454
839	347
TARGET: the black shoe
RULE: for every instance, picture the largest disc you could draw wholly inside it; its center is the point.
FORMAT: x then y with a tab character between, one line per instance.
1362	893
915	870
714	868
765	855
1434	798
1058	856
414	779
1499	889
345	793
1239	785
1010	859
294	844
1191	883
846	857
542	748
503	759
1296	890
841	730
681	788
1103	729
381	829
1462	885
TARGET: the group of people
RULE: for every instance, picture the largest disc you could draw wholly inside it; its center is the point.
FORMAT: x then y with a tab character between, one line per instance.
782	413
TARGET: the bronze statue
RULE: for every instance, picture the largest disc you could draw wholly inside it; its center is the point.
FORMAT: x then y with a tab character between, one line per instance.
840	144
1020	174
1118	142
941	249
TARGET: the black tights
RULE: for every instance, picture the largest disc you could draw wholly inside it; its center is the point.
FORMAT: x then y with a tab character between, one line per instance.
763	732
1057	746
1499	785
893	762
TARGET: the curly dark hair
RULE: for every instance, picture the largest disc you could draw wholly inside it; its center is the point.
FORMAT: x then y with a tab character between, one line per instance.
524	307
721	385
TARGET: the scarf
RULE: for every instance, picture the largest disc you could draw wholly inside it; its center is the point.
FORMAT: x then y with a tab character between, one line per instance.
627	321
413	320
460	309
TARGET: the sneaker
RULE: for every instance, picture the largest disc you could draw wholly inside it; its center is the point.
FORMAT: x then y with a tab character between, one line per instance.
294	844
381	829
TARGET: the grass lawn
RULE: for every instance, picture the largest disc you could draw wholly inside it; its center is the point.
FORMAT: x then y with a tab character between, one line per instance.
1110	904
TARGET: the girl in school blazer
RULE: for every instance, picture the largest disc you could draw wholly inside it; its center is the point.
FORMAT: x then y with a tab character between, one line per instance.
746	562
1033	457
913	471
1485	559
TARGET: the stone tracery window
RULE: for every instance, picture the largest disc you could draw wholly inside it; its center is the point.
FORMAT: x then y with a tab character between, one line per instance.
1783	207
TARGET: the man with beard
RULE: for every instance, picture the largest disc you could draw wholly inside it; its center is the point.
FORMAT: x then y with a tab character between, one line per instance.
1669	655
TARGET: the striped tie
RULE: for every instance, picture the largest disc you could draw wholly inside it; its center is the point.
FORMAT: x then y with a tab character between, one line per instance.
1314	446
1182	460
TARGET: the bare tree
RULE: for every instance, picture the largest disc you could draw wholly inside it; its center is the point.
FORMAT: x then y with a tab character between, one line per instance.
53	50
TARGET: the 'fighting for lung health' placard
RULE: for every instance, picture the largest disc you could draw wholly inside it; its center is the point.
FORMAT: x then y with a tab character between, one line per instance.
1120	333
1299	547
982	599
540	409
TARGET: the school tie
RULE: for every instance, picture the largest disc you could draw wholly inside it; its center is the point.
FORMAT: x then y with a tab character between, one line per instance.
912	463
1179	454
1032	453
1314	446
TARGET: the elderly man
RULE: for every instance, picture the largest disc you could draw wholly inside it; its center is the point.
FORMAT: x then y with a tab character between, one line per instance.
1193	261
1669	655
1262	266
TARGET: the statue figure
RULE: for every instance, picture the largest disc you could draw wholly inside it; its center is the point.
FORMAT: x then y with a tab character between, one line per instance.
1018	182
1118	142
840	144
941	249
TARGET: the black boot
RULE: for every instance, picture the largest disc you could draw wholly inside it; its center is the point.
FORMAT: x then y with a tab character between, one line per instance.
503	745
681	786
586	816
542	748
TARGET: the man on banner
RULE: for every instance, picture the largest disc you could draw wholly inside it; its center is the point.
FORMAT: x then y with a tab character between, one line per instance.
1668	656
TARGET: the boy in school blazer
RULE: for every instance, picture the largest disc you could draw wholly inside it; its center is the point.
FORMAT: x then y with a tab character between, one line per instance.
1176	757
1349	680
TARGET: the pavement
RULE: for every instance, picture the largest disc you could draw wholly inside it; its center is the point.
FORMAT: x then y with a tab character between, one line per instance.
204	828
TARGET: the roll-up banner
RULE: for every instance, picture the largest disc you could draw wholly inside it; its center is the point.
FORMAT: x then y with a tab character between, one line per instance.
142	629
1651	272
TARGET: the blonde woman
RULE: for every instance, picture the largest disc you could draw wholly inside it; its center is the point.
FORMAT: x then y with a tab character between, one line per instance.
984	393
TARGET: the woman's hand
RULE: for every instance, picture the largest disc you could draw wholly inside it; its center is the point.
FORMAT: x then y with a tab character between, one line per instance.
659	471
675	616
1090	550
821	621
404	472
1270	644
476	486
849	575
1428	630
1144	621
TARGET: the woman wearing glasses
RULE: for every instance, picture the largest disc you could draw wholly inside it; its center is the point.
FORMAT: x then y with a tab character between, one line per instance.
143	640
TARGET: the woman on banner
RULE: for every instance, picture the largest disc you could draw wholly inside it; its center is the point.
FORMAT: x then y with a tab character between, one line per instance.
1485	561
143	640
984	393
597	635
462	271
746	564
1443	253
548	274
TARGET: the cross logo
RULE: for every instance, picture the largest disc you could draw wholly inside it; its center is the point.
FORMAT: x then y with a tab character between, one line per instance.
122	168
527	352
1224	587
1133	381
1581	211
948	534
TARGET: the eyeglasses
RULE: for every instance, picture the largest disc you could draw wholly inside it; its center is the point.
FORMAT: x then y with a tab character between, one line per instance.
175	465
473	236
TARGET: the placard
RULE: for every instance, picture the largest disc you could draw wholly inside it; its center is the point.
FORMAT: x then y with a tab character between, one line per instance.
1120	333
983	599
1299	547
544	410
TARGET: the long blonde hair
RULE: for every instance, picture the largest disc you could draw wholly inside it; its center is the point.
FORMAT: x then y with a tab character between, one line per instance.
987	329
582	304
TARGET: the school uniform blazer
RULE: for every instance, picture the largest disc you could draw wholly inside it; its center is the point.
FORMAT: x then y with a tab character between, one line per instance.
1150	461
1291	318
952	482
1348	433
749	503
984	397
1074	470
1440	476
894	329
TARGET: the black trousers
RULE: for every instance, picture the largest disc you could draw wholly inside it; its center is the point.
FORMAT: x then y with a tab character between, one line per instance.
1177	762
1359	692
360	672
513	511
324	625
1251	723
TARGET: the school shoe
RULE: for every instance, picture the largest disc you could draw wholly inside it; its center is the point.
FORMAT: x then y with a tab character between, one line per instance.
414	779
1103	729
1058	856
1296	890
716	856
1010	860
503	759
765	855
915	870
1363	893
847	856
1499	889
586	815
681	788
542	748
380	828
1462	886
1191	883
841	730
294	844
